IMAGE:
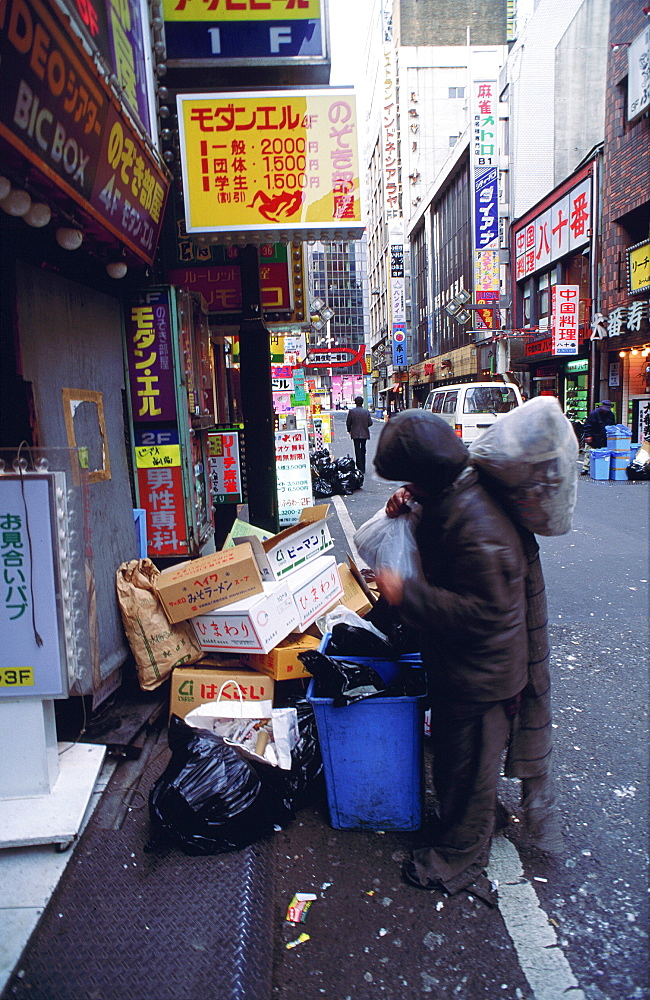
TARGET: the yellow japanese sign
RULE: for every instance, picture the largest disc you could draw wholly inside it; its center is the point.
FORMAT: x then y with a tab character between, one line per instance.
241	10
270	161
158	456
639	267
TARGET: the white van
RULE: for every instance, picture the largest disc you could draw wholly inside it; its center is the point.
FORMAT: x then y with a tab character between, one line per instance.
471	407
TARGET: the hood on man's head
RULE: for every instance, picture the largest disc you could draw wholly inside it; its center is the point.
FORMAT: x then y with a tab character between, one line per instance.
418	447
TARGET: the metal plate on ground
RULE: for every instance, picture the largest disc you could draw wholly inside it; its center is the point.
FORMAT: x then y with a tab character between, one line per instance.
126	925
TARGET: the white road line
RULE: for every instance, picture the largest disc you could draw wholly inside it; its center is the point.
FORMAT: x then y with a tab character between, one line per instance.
541	959
349	529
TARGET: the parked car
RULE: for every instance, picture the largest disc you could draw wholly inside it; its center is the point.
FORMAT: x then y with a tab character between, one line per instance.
471	407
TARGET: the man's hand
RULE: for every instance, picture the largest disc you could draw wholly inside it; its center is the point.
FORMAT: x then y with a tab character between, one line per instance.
399	499
588	440
390	585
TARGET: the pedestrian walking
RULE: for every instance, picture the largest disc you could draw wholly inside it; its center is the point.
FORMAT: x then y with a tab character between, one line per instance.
358	424
481	616
594	433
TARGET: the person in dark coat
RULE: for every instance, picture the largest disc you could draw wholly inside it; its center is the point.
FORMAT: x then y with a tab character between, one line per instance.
358	424
470	611
594	433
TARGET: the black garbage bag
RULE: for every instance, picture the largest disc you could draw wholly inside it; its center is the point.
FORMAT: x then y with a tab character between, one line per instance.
305	780
328	470
346	464
345	682
636	471
210	799
403	638
320	458
355	640
322	488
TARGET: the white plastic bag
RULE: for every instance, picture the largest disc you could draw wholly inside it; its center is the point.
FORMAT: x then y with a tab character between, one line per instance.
389	542
342	615
531	454
245	724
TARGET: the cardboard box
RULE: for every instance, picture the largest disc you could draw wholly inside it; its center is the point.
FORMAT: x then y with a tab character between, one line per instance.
315	588
282	663
194	686
354	596
191	588
256	624
292	548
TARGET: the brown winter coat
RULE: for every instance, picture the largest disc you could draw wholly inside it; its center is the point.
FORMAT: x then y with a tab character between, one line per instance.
471	608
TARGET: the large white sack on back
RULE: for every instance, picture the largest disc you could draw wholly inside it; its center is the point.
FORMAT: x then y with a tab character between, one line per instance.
531	456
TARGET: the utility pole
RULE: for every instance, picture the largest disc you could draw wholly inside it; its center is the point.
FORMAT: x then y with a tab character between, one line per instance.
257	398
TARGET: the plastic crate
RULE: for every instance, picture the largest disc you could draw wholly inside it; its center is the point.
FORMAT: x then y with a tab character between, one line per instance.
599	459
372	760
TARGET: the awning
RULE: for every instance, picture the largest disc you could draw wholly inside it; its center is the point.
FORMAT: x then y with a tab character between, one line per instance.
391	388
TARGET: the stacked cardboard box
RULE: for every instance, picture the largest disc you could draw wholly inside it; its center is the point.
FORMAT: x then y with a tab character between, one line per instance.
253	607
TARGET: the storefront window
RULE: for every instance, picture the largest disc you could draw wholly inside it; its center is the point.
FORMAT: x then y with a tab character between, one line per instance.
528	288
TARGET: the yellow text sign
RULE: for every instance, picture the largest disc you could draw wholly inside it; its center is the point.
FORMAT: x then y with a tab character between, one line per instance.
241	10
269	161
159	456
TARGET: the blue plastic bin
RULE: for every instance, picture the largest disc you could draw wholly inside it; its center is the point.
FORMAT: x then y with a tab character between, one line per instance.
618	463
388	670
372	760
599	459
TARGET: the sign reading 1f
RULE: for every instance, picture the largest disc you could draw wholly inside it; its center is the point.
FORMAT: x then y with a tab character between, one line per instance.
224	30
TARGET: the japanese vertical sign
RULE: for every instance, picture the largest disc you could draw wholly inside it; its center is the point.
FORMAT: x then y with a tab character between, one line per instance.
565	307
149	355
564	226
485	184
271	161
225	467
638	76
29	591
398	306
223	31
293	475
390	146
150	359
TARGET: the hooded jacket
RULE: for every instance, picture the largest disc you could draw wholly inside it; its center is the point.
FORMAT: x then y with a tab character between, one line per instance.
470	608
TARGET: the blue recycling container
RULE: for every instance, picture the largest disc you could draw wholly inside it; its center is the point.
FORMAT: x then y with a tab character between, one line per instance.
372	760
599	461
618	463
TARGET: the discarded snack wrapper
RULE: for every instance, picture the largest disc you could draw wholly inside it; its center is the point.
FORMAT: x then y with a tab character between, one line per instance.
299	940
298	907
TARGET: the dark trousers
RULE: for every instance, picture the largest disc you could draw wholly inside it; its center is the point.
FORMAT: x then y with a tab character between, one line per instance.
360	453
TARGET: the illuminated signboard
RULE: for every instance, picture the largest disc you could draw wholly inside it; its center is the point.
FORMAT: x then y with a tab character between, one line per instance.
225	466
638	265
59	114
271	162
555	232
565	308
232	32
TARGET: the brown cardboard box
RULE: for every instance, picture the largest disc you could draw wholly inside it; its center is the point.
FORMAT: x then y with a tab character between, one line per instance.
194	686
354	597
282	663
199	585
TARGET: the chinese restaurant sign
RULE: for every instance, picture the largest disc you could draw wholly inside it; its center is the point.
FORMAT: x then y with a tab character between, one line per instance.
232	31
563	227
270	162
59	114
564	318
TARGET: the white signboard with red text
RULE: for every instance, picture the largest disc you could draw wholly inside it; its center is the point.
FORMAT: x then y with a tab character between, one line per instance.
555	232
565	309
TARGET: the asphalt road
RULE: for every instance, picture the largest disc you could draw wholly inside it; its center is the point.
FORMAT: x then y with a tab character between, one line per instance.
573	926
